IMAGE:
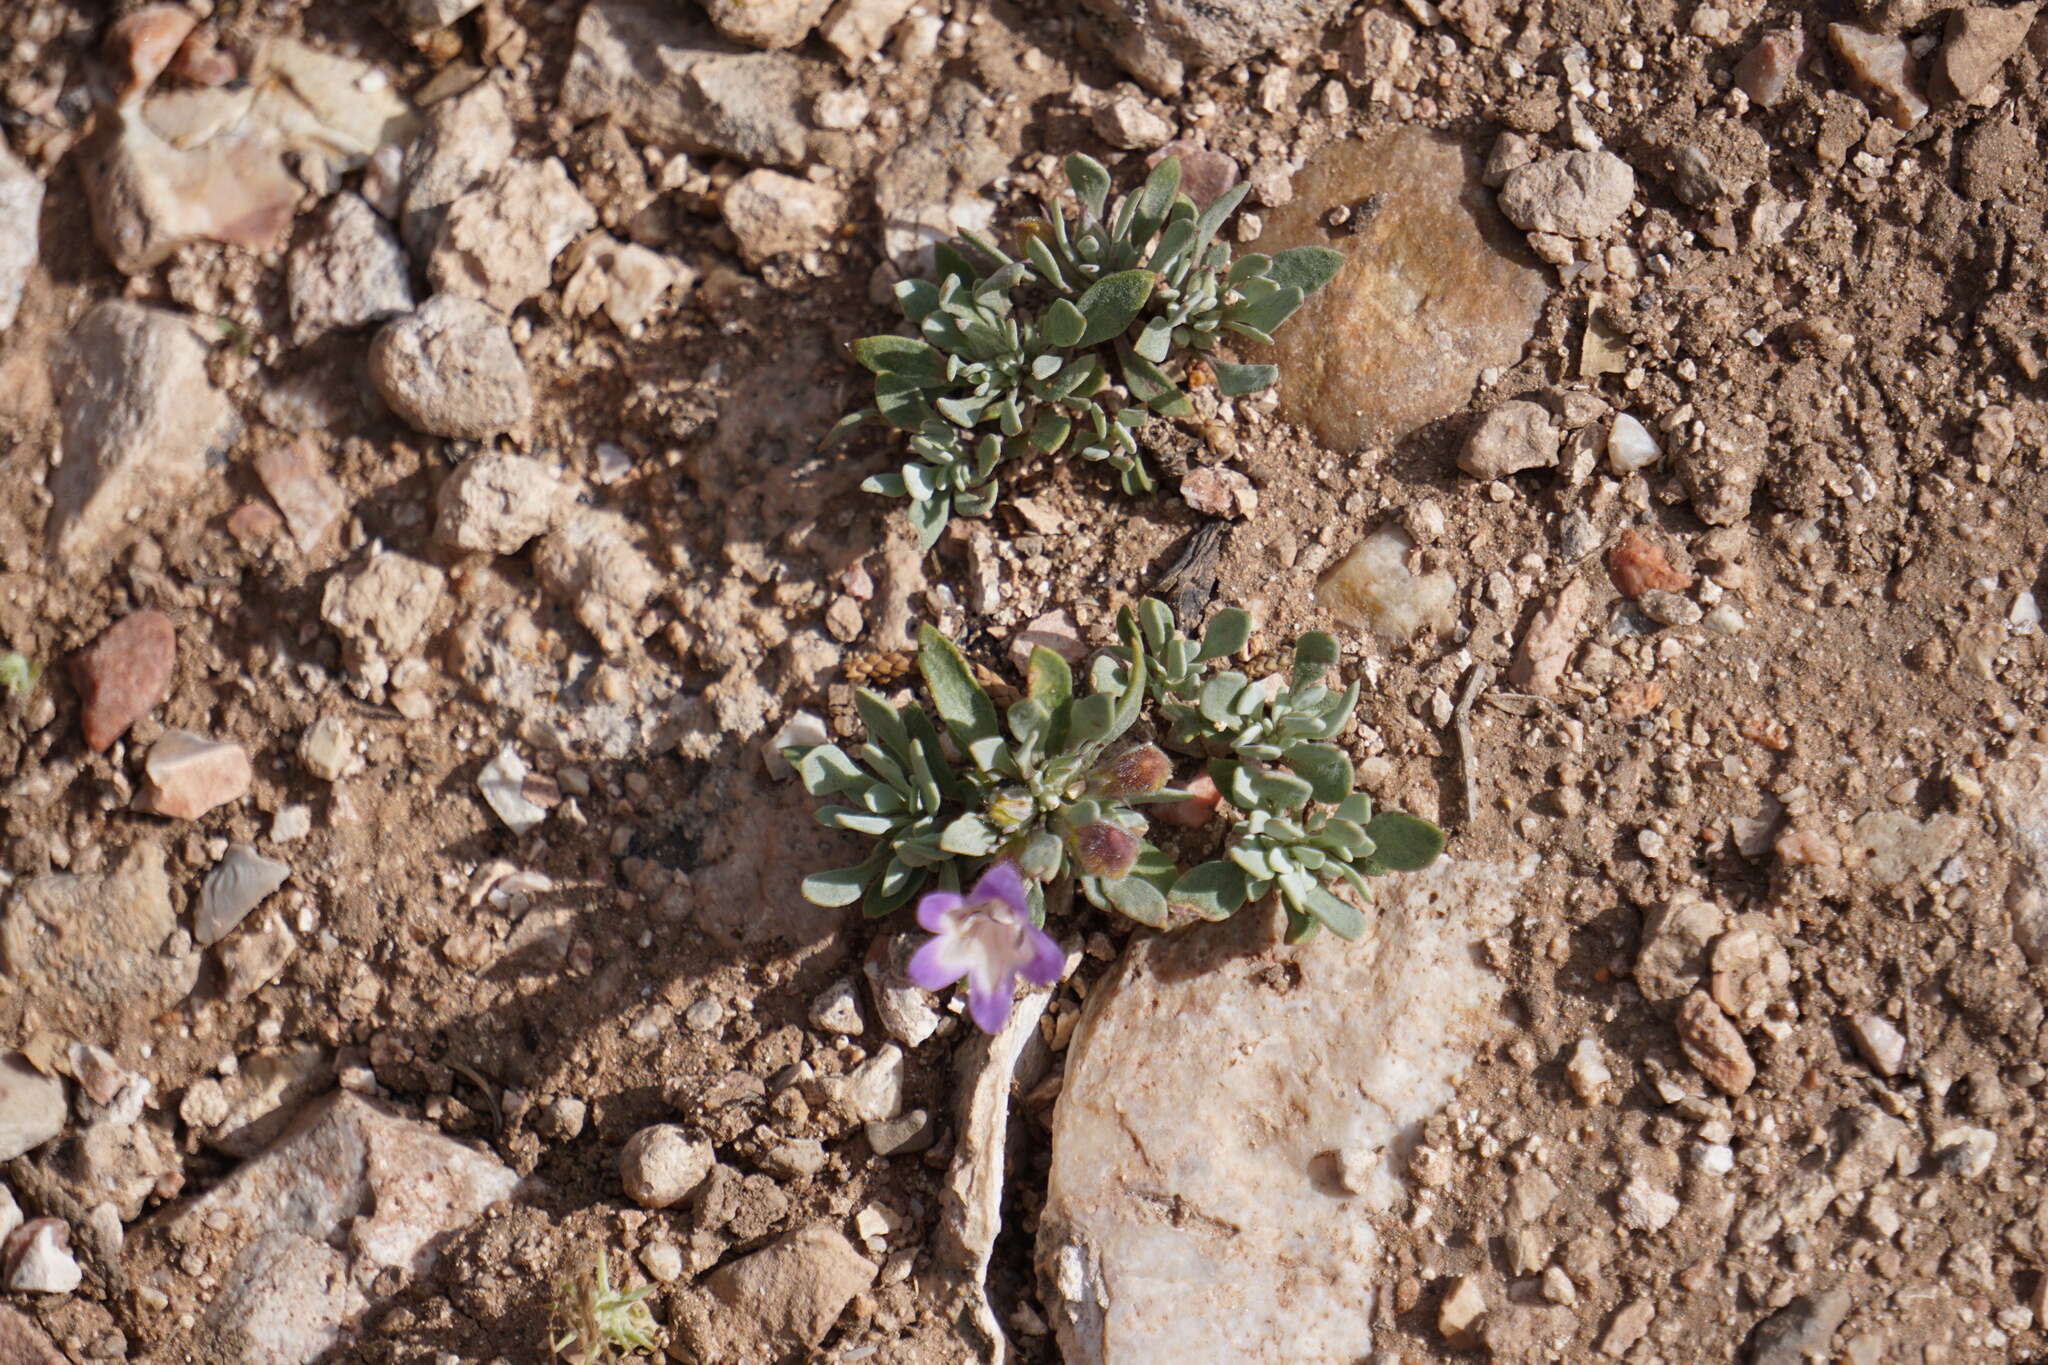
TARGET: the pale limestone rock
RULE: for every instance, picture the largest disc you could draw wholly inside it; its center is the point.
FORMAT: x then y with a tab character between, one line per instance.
1374	588
92	948
140	420
1881	1044
1163	42
624	279
1673	956
466	137
857	29
1546	646
1351	1053
497	503
187	775
298	1233
766	23
350	273
297	480
1515	436
771	214
32	1109
665	76
1437	288
499	241
21	206
450	369
2019	797
1573	194
592	563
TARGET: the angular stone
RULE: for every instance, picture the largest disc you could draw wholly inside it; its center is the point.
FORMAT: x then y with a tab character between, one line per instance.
1546	646
1163	42
783	1299
1437	288
1638	566
1672	959
39	1259
381	610
32	1108
497	503
466	138
499	241
1975	46
1801	1330
88	948
1881	1044
239	882
1573	194
141	44
1766	70
187	775
1373	588
1751	969
1881	69
123	675
450	369
297	1234
766	23
1457	1317
151	196
1515	436
252	959
2018	789
857	29
1205	174
140	419
673	82
21	207
350	273
1358	1044
771	214
1128	122
1713	1045
624	279
296	479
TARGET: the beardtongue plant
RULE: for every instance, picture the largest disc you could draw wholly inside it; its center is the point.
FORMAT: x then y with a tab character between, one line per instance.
1091	325
1052	791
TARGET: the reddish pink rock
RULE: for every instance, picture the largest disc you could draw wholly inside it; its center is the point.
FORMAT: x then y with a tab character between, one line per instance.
188	775
143	44
123	675
1199	809
1767	71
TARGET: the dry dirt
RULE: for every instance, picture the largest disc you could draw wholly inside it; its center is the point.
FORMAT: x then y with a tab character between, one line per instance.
1884	675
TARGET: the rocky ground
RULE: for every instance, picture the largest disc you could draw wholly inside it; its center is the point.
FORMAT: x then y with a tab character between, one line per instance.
410	489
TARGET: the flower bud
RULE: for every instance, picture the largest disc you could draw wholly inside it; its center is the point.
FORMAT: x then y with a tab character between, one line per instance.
1039	859
1103	850
1137	771
1011	808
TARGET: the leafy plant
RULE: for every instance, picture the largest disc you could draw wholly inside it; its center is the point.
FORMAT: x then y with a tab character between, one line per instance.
1090	326
1051	786
18	673
592	1321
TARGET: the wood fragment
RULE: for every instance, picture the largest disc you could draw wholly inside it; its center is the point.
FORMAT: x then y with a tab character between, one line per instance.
1461	727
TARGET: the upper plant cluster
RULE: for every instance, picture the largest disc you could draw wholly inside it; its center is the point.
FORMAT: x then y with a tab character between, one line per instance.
1049	786
1074	339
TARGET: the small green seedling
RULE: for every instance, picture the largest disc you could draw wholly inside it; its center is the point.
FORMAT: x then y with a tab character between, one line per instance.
593	1323
1088	327
18	674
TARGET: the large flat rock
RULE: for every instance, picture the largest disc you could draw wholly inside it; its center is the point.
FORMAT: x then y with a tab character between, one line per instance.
1234	1111
294	1242
1438	287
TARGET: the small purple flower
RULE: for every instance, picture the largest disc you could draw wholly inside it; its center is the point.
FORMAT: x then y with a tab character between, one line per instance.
986	936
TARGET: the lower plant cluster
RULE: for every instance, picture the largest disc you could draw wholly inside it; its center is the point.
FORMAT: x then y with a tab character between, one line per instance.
1057	787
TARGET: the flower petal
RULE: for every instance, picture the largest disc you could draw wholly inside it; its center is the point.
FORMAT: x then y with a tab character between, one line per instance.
933	908
990	1010
1047	958
1005	883
937	965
